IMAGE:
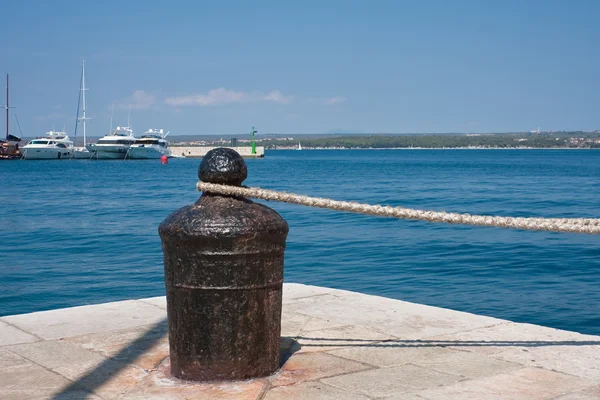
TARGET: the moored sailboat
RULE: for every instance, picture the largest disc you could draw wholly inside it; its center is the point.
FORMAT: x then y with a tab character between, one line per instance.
81	152
9	147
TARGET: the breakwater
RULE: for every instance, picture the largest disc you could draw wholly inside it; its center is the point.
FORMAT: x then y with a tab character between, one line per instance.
200	151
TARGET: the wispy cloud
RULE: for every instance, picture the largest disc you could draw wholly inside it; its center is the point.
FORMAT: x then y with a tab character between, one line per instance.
325	101
333	100
214	97
277	97
139	100
222	96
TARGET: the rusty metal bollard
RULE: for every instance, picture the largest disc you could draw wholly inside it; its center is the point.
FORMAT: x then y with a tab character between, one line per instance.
223	260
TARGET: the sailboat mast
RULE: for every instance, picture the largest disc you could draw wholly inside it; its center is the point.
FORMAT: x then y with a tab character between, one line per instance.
112	111
83	89
6	106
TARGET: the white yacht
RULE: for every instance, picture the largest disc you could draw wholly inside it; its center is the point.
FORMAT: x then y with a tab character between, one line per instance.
151	145
114	145
56	145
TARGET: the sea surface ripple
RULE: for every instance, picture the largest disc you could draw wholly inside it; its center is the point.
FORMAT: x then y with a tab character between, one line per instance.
77	232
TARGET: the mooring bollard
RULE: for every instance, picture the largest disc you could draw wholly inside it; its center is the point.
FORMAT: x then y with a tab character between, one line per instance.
223	275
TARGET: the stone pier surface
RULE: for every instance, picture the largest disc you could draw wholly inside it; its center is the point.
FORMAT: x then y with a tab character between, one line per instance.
335	345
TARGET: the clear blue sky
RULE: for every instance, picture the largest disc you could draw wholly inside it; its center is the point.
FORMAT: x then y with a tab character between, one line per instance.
306	66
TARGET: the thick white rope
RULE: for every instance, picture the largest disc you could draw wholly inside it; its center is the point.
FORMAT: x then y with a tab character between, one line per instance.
578	225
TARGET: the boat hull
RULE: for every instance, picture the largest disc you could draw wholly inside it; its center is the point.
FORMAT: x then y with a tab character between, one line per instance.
10	156
82	154
46	153
107	152
146	153
107	155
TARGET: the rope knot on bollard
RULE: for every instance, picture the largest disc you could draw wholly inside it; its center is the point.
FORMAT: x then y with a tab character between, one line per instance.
223	258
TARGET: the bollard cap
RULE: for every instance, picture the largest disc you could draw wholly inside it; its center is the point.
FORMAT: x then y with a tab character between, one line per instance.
224	166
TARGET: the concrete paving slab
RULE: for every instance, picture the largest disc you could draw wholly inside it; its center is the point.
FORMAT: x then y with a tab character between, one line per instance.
578	360
11	335
317	324
294	324
394	317
152	356
237	391
339	337
106	377
466	364
160	385
313	366
523	384
501	337
110	382
394	353
592	393
160	301
294	291
391	381
72	395
77	321
403	396
66	359
110	345
389	354
145	347
311	391
303	303
22	379
9	359
92	372
418	327
340	345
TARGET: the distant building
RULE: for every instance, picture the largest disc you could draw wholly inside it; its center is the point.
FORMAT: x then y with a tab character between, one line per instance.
233	142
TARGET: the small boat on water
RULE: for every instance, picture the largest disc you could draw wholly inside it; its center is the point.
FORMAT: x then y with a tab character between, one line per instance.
299	146
114	145
55	146
9	147
151	145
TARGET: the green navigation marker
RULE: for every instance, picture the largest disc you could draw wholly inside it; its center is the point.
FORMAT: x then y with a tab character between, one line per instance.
253	143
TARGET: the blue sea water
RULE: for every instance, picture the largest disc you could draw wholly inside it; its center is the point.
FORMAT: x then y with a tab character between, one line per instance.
76	232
